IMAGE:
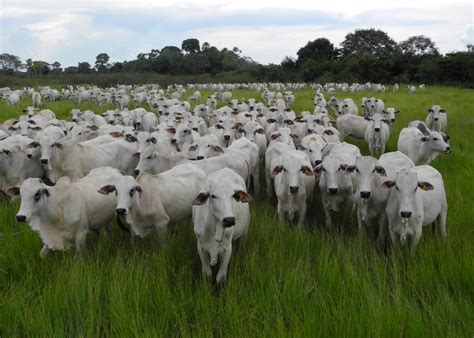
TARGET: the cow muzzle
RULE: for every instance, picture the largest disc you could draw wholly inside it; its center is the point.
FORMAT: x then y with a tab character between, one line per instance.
333	191
227	222
365	194
405	214
294	190
20	218
44	161
120	211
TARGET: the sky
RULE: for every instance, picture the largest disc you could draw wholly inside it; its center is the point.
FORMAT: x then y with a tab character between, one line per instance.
71	31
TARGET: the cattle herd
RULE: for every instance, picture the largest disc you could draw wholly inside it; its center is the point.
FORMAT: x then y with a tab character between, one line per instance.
170	158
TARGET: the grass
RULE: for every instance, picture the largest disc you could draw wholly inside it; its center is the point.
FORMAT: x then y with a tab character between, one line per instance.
308	282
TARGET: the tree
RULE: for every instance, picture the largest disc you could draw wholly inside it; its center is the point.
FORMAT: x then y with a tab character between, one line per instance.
56	67
418	45
9	63
370	41
84	67
190	45
319	49
101	62
40	68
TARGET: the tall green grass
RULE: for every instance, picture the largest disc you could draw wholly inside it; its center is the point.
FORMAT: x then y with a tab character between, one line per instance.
307	282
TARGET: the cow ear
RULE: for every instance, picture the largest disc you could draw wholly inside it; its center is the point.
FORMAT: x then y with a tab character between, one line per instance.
218	149
343	167
328	132
46	192
388	184
271	120
7	152
171	130
13	191
260	131
193	147
274	136
425	186
139	189
368	118
93	128
424	139
201	198
397	111
36	129
58	145
130	138
136	155
33	145
242	196
380	170
278	169
115	134
306	170
295	137
106	189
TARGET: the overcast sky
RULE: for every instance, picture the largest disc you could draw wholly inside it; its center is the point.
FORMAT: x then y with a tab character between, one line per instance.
70	31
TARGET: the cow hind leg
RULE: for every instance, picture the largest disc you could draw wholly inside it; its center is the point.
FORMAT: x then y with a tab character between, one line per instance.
442	221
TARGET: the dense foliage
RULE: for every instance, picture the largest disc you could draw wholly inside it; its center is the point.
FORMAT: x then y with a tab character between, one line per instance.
364	55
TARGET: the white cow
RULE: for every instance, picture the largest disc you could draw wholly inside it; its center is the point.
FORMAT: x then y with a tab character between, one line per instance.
346	106
421	144
294	186
377	133
437	119
64	213
335	183
352	125
417	198
220	215
369	195
76	160
153	201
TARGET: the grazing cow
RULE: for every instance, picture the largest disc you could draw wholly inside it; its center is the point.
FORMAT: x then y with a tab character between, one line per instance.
437	119
220	215
64	213
421	144
294	186
377	133
156	200
418	199
334	182
369	195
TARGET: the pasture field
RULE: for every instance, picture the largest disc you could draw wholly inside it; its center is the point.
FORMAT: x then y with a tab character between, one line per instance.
307	282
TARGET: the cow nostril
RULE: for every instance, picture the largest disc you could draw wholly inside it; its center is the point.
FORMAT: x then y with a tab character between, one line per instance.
228	222
20	218
120	211
317	162
448	150
333	191
365	194
436	119
227	137
29	156
294	190
406	214
195	129
377	129
173	141
200	157
74	120
44	161
136	172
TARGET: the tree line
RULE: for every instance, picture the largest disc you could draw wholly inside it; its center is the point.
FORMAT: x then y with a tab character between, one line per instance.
364	55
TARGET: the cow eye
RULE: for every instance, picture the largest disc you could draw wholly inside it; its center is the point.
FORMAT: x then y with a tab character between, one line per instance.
397	188
213	196
324	169
149	157
435	139
131	193
311	150
37	196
